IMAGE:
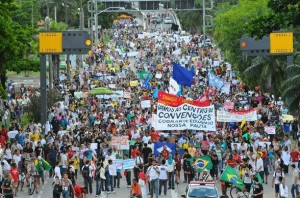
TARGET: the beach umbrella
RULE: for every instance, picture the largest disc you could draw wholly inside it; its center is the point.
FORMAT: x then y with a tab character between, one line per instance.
101	91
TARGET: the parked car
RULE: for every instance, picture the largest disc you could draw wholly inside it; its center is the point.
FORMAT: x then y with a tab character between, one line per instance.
198	189
156	20
168	20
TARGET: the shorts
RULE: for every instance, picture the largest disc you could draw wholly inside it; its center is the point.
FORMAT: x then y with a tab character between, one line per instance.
297	188
276	188
266	171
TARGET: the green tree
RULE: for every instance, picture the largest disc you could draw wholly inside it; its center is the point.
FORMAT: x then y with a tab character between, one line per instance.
14	41
291	86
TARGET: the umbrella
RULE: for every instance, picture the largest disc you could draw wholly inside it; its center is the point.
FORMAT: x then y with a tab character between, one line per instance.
101	91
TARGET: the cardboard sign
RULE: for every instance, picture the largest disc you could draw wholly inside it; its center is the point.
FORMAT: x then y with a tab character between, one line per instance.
270	130
145	104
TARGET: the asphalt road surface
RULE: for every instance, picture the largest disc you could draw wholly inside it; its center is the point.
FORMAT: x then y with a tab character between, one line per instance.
123	192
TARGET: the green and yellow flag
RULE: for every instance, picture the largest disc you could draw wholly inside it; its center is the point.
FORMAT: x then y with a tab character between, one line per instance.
203	162
46	165
230	175
38	165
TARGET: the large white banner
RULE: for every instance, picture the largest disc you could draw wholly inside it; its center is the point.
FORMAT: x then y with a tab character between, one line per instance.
185	116
224	116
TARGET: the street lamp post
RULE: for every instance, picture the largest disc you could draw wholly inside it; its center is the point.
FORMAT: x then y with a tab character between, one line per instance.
47	22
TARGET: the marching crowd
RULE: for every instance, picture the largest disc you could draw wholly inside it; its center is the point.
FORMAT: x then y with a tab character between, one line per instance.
76	141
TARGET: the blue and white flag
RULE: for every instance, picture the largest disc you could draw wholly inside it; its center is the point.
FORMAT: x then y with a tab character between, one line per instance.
159	146
146	83
215	81
182	76
174	87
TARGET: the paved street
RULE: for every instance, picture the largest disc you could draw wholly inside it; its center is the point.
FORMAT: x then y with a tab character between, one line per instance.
122	192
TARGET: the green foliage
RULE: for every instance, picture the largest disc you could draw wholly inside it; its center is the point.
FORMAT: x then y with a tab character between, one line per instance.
232	24
291	86
285	14
27	12
55	26
3	94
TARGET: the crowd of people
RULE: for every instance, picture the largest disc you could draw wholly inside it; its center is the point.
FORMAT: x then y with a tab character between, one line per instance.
76	141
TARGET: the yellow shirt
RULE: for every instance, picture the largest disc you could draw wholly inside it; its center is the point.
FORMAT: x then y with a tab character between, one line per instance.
76	163
34	137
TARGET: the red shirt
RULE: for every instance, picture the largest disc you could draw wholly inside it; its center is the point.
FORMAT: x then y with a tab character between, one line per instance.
295	156
154	136
14	174
4	132
2	141
134	152
78	191
165	154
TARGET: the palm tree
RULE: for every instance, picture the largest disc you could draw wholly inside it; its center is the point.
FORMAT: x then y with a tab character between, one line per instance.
268	72
291	86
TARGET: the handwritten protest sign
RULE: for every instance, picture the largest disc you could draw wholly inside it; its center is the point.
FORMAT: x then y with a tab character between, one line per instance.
270	130
128	163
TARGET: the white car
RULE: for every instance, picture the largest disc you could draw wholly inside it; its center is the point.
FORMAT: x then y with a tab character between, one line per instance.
168	20
198	189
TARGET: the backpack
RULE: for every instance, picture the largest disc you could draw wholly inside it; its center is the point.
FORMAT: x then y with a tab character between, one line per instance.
85	171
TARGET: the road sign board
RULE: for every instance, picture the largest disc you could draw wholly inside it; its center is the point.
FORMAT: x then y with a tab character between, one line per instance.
281	43
76	42
50	42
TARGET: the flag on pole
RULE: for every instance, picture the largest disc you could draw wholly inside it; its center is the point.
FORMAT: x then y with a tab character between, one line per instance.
182	76
203	162
159	146
174	87
243	123
230	175
38	165
146	83
46	165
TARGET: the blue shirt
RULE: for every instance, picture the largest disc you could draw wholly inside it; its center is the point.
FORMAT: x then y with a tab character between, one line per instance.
20	138
286	127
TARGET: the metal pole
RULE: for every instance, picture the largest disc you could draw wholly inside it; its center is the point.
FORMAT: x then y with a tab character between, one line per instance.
47	21
96	22
68	68
43	90
203	7
55	16
81	28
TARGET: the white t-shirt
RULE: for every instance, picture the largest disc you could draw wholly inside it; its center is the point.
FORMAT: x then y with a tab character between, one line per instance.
277	175
63	159
259	165
163	172
17	159
57	172
170	166
152	173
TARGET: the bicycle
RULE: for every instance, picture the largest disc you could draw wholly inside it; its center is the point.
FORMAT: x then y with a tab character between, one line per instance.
31	185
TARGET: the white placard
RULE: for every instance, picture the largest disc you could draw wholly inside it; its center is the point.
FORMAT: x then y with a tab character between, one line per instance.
158	75
264	144
270	130
224	116
185	116
94	146
146	104
112	169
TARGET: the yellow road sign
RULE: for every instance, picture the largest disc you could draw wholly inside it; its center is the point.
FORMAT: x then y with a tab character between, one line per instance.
50	42
281	43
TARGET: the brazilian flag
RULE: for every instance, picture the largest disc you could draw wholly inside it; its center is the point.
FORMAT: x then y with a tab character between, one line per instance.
230	175
203	162
46	165
144	74
38	165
